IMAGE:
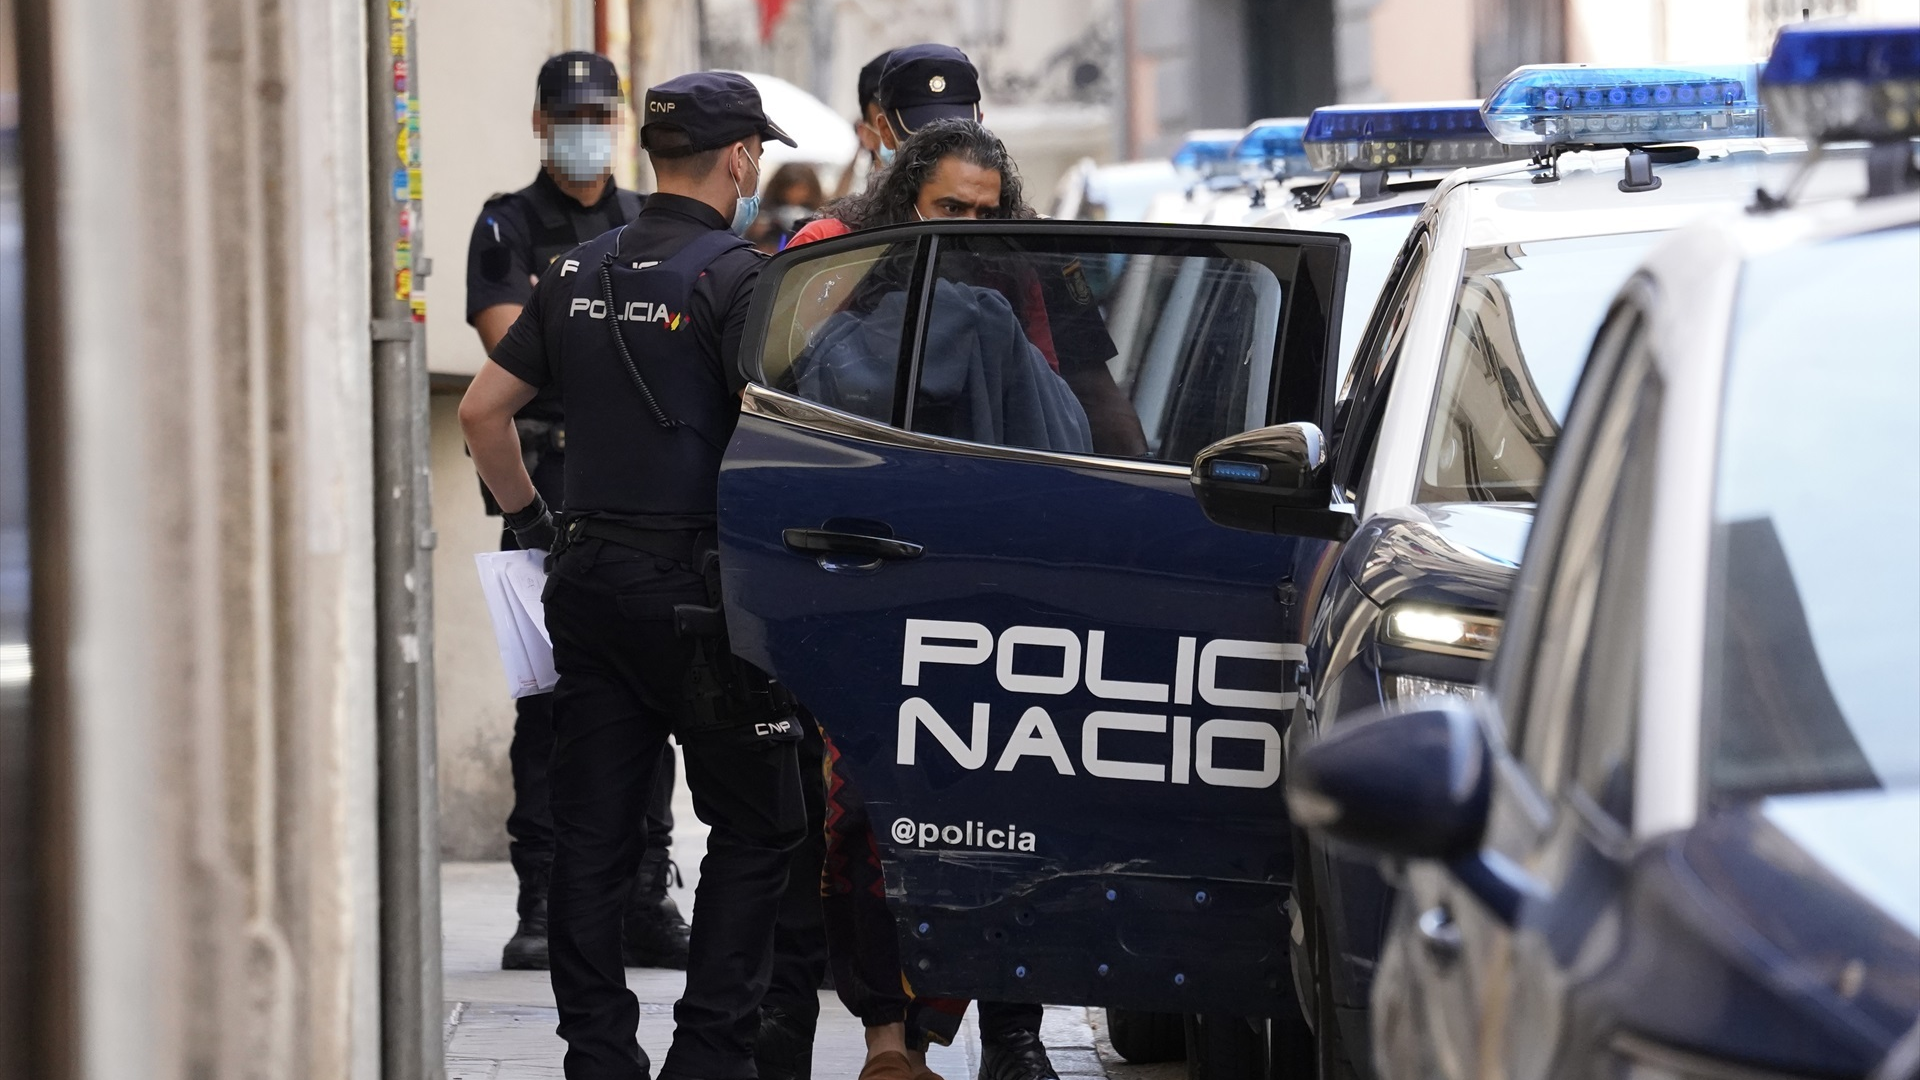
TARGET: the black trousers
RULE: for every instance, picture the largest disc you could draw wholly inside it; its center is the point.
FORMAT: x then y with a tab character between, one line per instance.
800	936
530	824
610	611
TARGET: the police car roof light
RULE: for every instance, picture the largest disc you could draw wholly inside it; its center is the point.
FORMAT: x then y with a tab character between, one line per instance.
1543	105
1272	148
1369	138
1841	80
1206	152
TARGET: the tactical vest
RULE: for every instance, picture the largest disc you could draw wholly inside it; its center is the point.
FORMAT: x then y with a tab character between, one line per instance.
658	412
551	227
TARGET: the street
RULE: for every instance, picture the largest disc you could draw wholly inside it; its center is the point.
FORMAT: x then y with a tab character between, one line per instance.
1239	539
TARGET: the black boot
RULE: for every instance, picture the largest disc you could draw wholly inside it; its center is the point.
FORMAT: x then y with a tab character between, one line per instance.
1016	1055
527	949
783	1050
653	933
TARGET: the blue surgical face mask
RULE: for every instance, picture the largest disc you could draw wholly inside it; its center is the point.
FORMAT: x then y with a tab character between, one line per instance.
582	153
885	154
745	207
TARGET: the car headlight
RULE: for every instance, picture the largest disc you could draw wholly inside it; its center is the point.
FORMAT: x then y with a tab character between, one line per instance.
1647	1060
1442	630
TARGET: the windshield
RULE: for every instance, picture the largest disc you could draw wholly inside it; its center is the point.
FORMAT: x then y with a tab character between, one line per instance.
1522	323
1814	628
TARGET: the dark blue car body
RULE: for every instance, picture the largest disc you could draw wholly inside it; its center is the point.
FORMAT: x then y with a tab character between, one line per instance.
1061	689
1459	556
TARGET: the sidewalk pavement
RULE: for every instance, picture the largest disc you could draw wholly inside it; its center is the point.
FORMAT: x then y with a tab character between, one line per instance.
500	1024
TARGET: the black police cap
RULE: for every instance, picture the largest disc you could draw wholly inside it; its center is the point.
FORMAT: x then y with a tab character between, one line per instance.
704	110
923	83
870	80
577	78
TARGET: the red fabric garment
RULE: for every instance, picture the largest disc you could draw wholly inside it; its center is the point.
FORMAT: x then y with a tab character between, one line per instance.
825	228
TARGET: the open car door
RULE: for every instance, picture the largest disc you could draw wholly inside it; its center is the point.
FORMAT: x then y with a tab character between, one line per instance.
956	522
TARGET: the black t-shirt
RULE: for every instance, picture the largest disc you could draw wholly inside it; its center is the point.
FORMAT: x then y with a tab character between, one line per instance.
637	471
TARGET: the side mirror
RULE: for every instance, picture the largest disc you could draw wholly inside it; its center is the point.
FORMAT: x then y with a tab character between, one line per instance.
1271	480
1414	784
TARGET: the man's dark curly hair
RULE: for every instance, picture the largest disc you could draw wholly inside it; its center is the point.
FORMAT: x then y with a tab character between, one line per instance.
891	196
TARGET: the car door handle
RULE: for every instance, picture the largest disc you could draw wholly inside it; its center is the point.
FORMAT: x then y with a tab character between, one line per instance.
829	541
1439	933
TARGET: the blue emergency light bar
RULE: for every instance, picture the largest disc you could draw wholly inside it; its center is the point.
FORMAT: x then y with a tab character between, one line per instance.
1370	138
1581	105
1207	152
1272	148
1832	81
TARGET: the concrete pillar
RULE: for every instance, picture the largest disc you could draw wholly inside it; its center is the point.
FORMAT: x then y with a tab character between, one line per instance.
204	677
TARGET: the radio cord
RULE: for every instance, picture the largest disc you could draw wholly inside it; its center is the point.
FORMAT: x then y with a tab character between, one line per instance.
620	343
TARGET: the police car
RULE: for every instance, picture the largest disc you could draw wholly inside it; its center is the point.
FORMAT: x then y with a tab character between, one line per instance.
1452	409
1369	170
1117	192
1269	153
1678	837
1206	164
957	521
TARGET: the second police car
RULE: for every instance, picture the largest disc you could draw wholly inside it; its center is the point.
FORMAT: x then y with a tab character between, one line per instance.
1454	405
1679	838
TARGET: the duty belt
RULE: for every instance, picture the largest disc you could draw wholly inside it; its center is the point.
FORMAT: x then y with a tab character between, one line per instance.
680	545
722	697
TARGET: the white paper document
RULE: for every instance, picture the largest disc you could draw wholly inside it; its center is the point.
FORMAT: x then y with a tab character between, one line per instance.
512	582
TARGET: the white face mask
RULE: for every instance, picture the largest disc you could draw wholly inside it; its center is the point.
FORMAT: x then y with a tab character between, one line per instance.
581	152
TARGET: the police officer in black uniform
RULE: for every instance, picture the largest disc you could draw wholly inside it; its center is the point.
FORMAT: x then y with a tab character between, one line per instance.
640	330
577	114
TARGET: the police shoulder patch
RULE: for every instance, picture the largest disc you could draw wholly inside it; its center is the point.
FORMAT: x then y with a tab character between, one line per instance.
1076	279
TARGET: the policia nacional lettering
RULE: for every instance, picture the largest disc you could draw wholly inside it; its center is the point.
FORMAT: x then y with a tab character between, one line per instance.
1194	751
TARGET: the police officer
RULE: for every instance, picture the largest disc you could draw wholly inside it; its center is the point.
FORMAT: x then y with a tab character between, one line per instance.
640	331
871	155
578	110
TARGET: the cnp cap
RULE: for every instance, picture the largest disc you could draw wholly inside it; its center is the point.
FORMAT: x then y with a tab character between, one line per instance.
870	81
928	82
578	78
704	111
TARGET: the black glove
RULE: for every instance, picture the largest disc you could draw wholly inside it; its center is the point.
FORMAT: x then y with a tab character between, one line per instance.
532	525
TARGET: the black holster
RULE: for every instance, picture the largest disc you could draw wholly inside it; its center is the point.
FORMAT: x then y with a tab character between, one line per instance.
722	696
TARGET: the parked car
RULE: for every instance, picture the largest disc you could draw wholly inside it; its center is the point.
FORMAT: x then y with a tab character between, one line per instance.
1677	833
1453	406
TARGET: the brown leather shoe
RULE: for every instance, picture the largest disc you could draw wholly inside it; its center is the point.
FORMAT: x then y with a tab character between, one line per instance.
891	1065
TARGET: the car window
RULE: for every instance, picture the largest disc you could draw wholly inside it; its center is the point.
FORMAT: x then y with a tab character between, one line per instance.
835	334
1579	703
1813	621
1377	240
1606	696
1363	394
1522	321
1123	341
1124	354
